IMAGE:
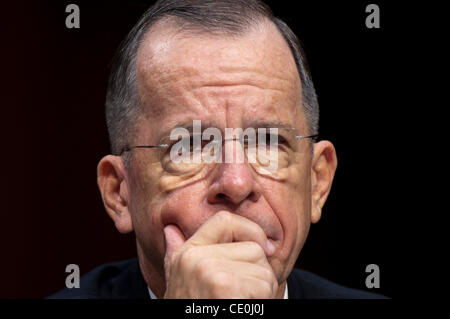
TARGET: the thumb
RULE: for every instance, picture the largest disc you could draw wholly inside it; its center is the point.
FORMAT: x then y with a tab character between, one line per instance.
174	239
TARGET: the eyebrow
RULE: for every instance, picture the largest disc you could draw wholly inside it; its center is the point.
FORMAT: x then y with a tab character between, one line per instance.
271	124
188	125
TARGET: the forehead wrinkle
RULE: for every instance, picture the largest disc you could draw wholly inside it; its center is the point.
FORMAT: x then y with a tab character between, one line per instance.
170	75
188	78
188	125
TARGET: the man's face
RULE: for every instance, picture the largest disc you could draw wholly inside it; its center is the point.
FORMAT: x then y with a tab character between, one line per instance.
226	82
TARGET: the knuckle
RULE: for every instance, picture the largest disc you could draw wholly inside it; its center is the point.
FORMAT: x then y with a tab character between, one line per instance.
224	216
256	249
270	283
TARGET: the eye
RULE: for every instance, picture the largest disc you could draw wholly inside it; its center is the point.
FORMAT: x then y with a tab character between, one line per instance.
273	139
198	139
181	144
282	141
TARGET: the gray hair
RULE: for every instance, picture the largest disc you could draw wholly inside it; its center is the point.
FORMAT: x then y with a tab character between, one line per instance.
231	17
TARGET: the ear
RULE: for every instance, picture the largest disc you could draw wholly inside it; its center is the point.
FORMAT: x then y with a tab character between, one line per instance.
112	182
323	167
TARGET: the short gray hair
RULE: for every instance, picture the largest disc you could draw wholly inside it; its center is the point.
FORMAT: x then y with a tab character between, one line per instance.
214	16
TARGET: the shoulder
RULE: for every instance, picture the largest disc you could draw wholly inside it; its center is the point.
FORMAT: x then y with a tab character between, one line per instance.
119	280
303	284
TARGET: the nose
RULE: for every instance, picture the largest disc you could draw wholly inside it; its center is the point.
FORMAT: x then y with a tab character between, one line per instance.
235	182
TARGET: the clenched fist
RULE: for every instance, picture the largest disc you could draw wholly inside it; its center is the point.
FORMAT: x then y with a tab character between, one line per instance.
225	258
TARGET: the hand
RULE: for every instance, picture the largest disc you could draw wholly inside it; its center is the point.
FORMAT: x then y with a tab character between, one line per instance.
225	258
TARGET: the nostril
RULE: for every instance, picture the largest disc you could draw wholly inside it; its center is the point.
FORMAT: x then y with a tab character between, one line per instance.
252	196
221	196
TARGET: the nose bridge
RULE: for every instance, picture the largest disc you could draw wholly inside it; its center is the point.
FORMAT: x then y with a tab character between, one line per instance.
235	179
233	151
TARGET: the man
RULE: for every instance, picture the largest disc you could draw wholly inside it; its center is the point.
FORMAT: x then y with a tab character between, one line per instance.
223	229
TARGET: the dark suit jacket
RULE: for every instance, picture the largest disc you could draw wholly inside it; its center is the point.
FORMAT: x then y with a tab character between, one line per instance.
123	280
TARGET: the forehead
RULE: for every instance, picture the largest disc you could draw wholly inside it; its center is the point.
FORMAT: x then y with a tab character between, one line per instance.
185	76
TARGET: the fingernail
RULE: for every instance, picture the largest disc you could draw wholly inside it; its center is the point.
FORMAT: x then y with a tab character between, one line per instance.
270	247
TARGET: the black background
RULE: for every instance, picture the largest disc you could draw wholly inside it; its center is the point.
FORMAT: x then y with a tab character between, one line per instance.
54	133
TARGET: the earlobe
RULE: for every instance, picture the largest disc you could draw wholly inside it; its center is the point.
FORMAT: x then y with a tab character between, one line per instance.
316	214
111	180
322	173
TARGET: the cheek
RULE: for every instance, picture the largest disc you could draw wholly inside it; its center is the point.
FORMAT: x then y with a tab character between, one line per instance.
291	201
300	192
186	208
160	199
144	206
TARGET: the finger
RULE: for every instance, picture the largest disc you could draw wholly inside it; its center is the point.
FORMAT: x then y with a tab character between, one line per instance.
255	280
225	227
234	279
255	288
247	251
243	269
174	239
